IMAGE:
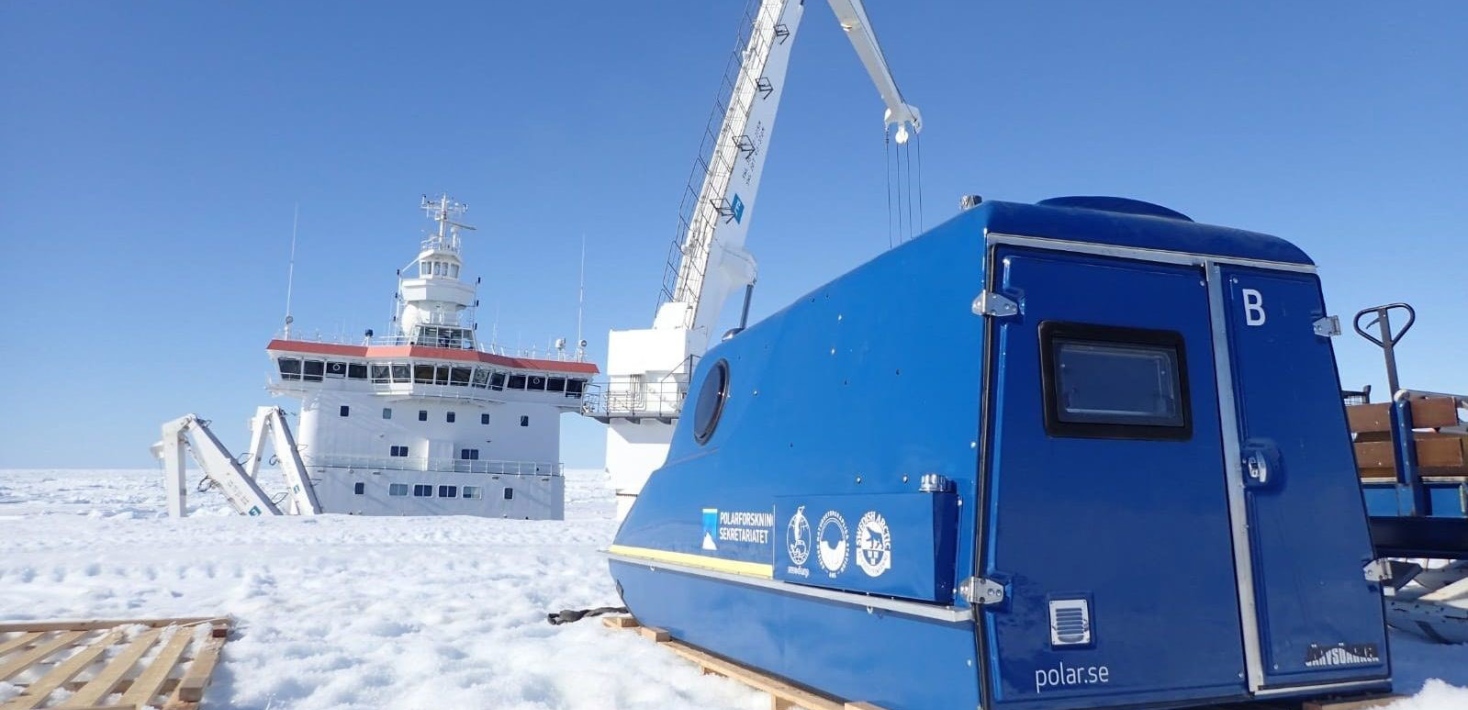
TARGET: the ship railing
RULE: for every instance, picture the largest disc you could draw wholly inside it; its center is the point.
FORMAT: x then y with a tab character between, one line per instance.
632	397
533	353
386	463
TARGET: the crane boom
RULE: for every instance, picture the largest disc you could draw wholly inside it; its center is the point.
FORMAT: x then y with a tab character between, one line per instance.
853	17
648	369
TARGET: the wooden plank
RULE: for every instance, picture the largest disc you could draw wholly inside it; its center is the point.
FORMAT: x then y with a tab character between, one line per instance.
1434	412
96	624
101	686
1428	413
1369	417
36	692
196	679
1352	704
24	661
618	622
1444	454
656	634
23	640
862	706
787	694
150	682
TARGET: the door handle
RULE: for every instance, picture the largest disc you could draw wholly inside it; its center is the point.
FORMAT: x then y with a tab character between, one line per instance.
1263	466
1256	467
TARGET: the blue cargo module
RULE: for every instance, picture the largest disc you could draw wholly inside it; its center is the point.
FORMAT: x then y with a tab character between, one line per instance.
1079	454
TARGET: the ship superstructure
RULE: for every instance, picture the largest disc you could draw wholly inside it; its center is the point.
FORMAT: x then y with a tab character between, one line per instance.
426	420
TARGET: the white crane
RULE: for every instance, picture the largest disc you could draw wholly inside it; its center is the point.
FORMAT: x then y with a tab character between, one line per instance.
648	369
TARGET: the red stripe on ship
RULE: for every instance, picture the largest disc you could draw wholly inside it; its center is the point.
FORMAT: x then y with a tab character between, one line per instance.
427	353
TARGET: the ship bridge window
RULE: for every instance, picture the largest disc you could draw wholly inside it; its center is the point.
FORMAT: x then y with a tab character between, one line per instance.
454	270
497	381
313	370
574	388
336	369
555	384
380	374
356	371
401	373
481	377
290	368
441	375
425	268
1114	383
423	374
536	383
459	376
517	382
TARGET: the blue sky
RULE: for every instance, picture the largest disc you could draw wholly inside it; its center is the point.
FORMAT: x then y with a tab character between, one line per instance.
151	155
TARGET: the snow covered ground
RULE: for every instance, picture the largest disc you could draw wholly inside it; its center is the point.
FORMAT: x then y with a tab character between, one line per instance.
349	612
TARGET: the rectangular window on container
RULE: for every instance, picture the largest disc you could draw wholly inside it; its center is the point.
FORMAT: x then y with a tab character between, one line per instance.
422	491
387	412
397	489
449	417
359	488
473	492
1114	383
484	419
448	491
345	410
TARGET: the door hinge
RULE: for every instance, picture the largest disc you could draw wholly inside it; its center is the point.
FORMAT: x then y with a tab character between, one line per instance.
981	592
1328	327
995	305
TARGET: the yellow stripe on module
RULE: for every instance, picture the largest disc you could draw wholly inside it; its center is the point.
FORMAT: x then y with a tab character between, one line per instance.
748	569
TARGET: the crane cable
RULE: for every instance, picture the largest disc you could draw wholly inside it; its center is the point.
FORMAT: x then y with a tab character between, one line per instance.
904	214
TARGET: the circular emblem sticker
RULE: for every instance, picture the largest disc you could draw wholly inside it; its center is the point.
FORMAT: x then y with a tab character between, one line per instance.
831	538
873	544
797	537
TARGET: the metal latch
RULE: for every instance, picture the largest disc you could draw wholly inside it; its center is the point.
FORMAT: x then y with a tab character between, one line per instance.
979	591
1378	570
1327	327
992	304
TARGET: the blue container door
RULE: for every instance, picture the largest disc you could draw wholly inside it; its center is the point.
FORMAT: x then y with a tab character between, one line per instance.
1106	512
1319	620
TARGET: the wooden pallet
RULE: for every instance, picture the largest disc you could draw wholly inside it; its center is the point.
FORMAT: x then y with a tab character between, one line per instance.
783	695
96	661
